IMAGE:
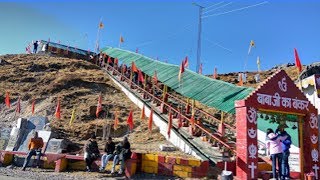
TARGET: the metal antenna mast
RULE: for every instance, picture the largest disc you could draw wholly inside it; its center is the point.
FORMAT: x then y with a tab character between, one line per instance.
199	37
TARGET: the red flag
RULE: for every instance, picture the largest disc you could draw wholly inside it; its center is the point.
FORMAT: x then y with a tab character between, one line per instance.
180	121
150	121
116	121
58	110
155	78
298	62
200	69
109	60
215	73
142	116
33	105
134	67
7	100
186	62
181	70
130	120
99	106
18	109
169	124
140	76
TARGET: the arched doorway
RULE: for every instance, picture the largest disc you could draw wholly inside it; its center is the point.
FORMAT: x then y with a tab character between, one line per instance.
277	94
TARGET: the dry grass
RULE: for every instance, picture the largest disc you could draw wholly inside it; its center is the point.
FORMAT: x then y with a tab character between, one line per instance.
78	84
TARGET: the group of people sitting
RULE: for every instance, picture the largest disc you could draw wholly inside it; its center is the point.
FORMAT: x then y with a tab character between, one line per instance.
278	144
120	152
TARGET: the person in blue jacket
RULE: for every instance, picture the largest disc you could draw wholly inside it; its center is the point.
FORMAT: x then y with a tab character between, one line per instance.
285	144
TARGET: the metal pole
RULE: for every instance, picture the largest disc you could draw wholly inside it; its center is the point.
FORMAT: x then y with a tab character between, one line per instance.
199	38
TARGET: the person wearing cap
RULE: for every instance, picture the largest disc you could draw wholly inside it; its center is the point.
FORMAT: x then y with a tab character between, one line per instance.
274	149
123	154
109	150
285	145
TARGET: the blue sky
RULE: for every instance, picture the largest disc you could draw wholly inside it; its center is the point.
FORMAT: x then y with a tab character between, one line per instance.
168	29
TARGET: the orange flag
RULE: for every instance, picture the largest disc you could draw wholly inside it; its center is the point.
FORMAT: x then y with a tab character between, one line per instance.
150	121
142	116
134	67
18	109
7	100
240	80
116	121
169	124
192	121
99	106
58	110
33	105
130	120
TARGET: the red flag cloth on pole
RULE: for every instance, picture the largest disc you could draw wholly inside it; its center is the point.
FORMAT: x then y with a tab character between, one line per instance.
169	124
130	120
33	105
150	121
116	121
134	67
298	62
181	70
155	78
180	120
18	109
215	73
58	110
109	60
140	76
7	100
99	106
142	116
186	62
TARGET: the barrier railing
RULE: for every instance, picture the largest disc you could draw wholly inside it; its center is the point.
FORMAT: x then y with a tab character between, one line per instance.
154	98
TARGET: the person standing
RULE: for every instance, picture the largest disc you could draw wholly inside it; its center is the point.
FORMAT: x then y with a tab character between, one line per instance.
34	146
35	47
123	155
91	152
109	150
285	145
274	149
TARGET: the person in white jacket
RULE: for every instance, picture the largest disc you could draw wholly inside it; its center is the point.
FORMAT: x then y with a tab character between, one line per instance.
274	149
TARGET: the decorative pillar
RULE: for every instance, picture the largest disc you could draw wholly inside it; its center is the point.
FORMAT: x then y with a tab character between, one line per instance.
247	151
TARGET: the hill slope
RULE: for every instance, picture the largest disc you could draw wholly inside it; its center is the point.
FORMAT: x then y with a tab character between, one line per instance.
78	84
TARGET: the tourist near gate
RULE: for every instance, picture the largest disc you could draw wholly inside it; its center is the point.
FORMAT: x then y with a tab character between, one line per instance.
278	94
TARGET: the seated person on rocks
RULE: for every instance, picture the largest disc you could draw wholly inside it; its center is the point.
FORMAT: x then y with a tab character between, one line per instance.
123	153
34	146
91	152
109	150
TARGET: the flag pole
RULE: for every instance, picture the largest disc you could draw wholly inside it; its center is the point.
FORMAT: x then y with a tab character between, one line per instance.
120	41
98	36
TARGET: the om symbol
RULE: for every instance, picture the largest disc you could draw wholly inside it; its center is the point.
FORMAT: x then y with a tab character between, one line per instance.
252	116
313	121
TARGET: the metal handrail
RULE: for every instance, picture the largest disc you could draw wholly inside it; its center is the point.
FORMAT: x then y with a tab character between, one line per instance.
173	109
